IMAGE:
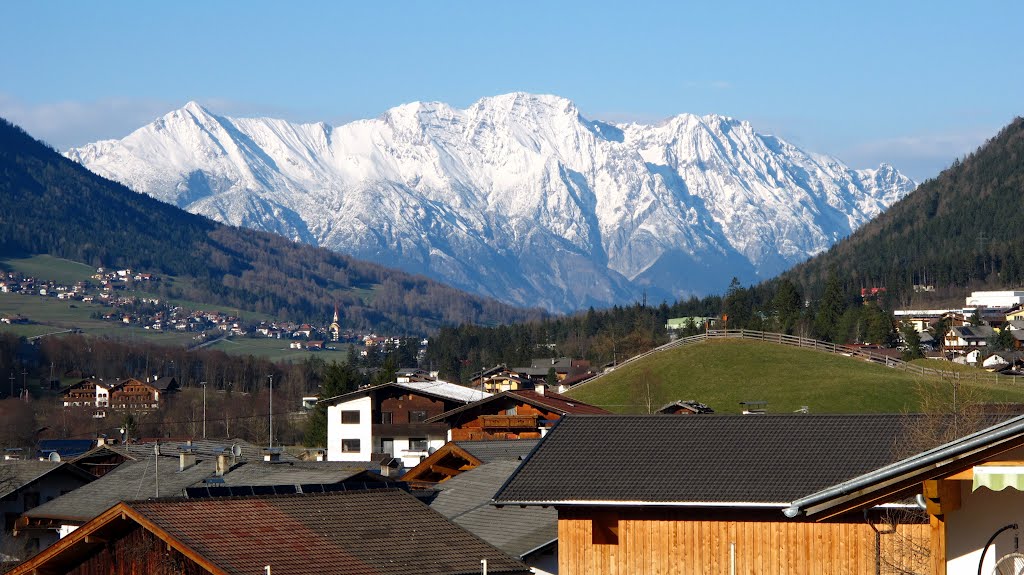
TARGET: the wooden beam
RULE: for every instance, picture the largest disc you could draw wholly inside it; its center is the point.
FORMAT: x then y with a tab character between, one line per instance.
94	539
444	470
938	546
942	496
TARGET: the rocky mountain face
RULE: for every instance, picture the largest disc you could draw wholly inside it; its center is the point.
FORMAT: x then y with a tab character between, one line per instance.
518	197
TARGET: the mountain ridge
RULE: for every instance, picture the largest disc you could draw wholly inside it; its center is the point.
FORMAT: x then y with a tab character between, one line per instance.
518	197
57	207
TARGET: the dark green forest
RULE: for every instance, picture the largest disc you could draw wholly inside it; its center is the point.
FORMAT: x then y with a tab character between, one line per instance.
959	230
54	206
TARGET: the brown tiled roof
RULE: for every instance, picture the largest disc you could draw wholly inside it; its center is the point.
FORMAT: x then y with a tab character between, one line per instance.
722	459
551	401
355	533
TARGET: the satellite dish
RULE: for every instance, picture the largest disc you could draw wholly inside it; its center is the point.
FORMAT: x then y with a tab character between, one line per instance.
431	450
236	450
54	456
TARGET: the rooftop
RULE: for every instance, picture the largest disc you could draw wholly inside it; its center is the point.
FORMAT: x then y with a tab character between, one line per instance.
736	460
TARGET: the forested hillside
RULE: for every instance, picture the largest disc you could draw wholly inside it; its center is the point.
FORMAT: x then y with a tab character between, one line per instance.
961	229
54	206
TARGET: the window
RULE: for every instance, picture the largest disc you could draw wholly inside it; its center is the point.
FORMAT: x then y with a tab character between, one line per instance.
387	445
350	417
605	529
417	444
417	416
385	417
350	446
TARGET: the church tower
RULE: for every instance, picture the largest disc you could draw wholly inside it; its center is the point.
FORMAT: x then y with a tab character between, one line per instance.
335	327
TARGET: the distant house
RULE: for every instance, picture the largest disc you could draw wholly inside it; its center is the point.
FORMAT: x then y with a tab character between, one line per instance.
346	532
392	419
965	337
133	394
563	367
520	414
87	393
693	322
684	408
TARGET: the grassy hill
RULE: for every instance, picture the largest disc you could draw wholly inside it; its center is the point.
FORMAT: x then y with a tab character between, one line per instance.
724	373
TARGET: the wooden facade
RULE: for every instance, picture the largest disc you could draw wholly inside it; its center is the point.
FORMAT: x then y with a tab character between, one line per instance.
670	541
137	552
81	394
521	421
133	394
404	406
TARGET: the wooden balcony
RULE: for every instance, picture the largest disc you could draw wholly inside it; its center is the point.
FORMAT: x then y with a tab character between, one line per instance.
507	422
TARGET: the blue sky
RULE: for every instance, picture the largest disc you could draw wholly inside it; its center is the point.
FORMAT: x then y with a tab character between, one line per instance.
915	84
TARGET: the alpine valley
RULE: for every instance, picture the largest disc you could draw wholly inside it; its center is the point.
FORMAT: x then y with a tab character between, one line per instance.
518	197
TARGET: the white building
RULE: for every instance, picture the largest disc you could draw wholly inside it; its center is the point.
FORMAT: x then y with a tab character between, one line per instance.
1001	299
390	419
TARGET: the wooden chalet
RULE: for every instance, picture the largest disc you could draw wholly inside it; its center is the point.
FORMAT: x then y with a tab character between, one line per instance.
88	392
342	532
133	394
729	494
520	414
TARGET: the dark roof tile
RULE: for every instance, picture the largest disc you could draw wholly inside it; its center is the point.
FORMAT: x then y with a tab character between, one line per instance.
713	459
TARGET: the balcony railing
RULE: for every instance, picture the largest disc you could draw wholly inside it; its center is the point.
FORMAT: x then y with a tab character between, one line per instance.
508	421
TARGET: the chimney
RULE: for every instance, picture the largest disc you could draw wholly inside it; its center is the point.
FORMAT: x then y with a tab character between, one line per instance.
186	458
101	441
390	467
539	388
272	455
223	464
321	455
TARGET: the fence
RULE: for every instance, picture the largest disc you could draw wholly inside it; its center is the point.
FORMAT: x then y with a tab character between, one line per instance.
802	342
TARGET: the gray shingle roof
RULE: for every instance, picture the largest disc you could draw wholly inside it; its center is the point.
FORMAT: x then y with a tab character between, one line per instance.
498	449
128	481
466	500
766	459
16	474
295	472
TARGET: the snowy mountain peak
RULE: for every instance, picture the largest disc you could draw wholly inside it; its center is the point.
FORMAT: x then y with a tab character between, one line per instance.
518	196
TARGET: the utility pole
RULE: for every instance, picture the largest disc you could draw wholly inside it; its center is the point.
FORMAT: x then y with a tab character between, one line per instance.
271	376
24	379
204	409
12	384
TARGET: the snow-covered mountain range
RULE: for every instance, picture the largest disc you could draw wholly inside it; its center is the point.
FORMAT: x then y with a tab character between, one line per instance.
519	197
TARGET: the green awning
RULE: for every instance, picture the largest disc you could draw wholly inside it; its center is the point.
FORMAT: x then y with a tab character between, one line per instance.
999	477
